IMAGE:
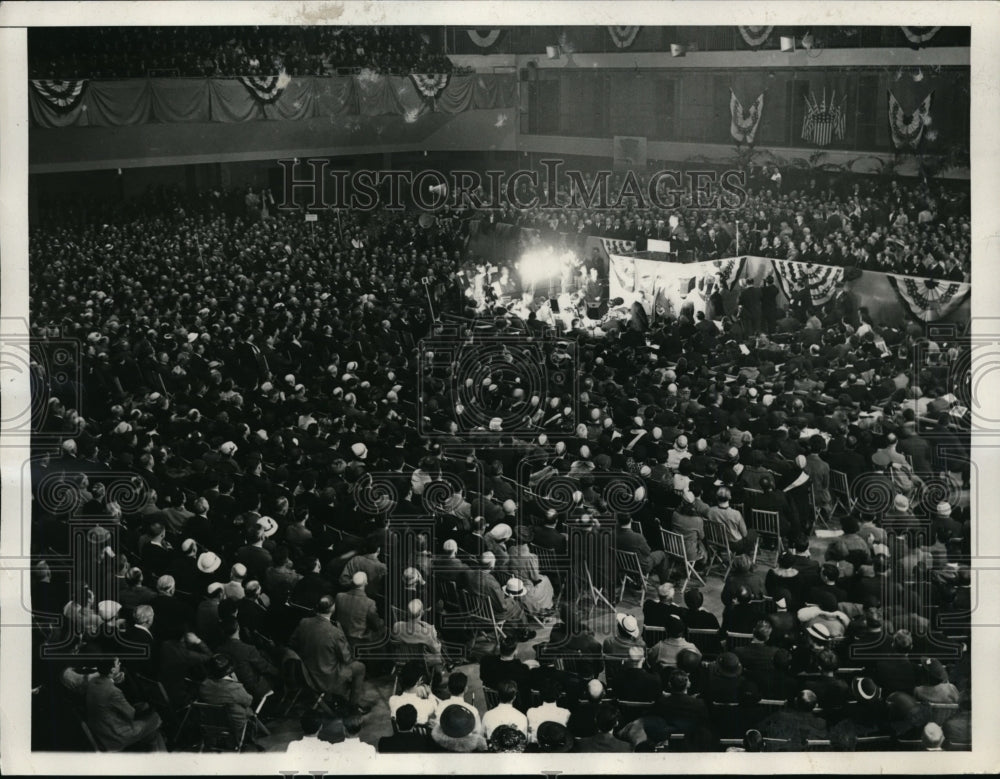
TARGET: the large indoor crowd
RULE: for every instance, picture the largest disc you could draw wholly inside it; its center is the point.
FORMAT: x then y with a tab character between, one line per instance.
256	497
879	223
225	52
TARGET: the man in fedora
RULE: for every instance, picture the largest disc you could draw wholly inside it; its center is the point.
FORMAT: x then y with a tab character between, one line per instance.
483	583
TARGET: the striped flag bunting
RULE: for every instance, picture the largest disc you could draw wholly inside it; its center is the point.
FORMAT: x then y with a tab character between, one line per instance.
743	126
266	89
929	299
623	37
484	39
430	85
616	246
755	35
822	281
907	131
63	96
730	270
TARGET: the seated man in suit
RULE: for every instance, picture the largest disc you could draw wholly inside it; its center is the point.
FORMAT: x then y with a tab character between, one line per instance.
326	654
405	739
115	723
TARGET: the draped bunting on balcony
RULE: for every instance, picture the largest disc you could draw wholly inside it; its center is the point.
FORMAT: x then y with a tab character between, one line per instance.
138	101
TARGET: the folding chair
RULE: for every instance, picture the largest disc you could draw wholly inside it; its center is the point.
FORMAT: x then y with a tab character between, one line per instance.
629	569
673	544
217	733
717	543
818	517
942	712
840	491
298	682
491	696
155	694
768	525
479	609
95	745
594	592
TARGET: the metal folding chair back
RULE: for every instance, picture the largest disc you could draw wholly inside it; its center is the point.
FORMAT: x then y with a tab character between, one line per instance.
216	729
674	546
717	542
629	570
840	491
768	526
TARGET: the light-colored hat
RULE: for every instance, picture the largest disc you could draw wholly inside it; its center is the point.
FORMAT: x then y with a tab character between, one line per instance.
107	610
209	562
359	579
359	450
188	544
645	471
228	448
627	624
488	558
501	532
269	526
681	442
514	588
901	503
943	509
819	631
451	545
412	576
214	587
238	570
496	424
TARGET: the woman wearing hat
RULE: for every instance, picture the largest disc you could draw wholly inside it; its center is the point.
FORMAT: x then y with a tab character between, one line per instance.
538	592
458	731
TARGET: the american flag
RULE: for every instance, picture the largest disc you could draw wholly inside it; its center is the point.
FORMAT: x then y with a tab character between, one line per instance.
823	121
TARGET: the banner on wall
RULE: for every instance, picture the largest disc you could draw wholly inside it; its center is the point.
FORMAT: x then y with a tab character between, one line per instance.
62	96
430	85
822	281
730	270
623	37
824	121
484	38
755	35
919	35
743	124
908	130
929	299
266	89
617	246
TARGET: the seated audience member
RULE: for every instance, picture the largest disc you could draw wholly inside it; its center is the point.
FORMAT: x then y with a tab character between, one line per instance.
605	721
547	711
414	692
115	723
507	738
457	730
664	653
405	739
504	713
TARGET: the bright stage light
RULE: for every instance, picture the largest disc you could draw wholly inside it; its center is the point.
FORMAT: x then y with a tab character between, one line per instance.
539	265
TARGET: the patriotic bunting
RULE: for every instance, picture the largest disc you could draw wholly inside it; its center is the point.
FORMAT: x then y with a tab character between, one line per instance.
485	39
623	37
430	86
929	299
744	123
755	35
615	246
266	89
821	280
824	121
62	96
918	35
730	270
907	131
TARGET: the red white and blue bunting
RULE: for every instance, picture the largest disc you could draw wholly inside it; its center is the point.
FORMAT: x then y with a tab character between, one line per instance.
929	299
616	246
266	89
743	127
730	270
486	39
63	96
918	35
908	130
821	280
755	35
623	37
430	86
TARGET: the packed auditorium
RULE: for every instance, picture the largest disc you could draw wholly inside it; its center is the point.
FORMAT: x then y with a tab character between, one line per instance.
652	438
